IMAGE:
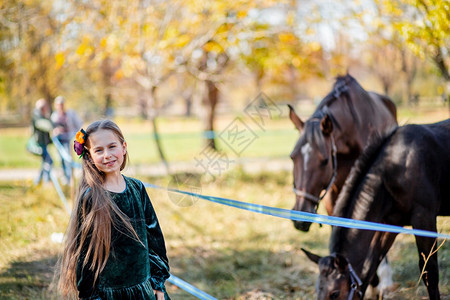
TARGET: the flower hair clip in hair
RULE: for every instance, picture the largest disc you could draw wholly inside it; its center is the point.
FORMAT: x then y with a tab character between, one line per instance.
78	144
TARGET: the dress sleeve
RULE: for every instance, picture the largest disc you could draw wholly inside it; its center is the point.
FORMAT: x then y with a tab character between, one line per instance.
84	276
159	263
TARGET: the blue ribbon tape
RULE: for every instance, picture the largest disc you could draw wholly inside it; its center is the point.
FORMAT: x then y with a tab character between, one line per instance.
190	288
307	217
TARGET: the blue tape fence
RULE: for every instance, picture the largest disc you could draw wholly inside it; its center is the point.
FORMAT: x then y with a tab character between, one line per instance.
267	210
189	288
306	217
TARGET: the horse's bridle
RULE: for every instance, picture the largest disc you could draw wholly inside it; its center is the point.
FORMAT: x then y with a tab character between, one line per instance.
355	283
339	88
313	198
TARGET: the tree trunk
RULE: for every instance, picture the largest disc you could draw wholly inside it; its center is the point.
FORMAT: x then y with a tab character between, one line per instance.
293	82
440	63
386	85
107	73
153	115
212	98
108	110
259	74
409	68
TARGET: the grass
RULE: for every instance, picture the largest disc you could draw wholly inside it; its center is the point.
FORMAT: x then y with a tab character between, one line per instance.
12	151
29	216
228	253
182	139
182	145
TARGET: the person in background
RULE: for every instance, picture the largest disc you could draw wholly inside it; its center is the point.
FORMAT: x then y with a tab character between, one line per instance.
42	126
66	123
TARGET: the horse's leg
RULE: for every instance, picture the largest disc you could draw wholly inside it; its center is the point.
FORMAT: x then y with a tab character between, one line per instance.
372	290
425	246
384	272
381	281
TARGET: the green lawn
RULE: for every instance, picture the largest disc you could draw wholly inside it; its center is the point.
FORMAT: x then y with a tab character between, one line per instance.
181	139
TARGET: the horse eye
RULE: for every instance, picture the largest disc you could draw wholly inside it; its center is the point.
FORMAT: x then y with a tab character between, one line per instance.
334	295
324	162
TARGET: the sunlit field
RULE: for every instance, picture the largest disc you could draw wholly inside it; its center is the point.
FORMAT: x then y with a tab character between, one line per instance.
182	138
226	252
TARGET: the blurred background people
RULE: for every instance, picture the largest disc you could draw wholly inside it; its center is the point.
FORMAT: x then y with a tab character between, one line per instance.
66	123
42	127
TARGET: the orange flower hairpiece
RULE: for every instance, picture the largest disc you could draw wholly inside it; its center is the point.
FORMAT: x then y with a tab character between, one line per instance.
80	136
78	144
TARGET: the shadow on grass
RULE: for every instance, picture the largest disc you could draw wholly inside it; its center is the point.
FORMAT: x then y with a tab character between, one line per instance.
248	274
224	274
27	279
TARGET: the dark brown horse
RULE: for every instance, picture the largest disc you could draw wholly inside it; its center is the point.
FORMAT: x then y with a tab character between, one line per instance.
403	179
332	139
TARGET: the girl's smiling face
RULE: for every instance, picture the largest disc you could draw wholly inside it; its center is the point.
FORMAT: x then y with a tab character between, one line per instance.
107	152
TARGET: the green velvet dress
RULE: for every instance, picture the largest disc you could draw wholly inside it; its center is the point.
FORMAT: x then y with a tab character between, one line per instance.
132	270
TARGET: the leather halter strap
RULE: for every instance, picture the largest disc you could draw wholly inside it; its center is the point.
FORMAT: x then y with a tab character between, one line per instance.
315	200
355	283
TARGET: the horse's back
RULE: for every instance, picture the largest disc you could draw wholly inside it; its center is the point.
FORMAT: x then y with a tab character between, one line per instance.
418	164
387	102
384	115
428	139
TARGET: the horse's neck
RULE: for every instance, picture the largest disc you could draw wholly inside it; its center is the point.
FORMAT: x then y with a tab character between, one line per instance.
361	247
350	135
358	251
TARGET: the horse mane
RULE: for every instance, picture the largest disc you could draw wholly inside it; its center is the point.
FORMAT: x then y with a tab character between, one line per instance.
341	89
346	199
359	190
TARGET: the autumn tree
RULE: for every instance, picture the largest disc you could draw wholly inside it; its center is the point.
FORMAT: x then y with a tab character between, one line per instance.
425	27
221	27
30	64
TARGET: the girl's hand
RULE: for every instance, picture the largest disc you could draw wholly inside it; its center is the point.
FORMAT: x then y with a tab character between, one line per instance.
159	295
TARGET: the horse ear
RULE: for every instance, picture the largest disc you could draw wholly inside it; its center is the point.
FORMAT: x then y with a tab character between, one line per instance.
295	118
326	125
340	262
313	257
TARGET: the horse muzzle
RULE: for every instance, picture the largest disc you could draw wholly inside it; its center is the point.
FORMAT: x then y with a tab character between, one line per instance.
302	226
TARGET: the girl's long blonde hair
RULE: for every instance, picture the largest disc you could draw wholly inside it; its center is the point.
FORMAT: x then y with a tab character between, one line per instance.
94	213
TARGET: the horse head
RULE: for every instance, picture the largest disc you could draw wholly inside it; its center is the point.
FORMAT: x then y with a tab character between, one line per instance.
337	279
314	158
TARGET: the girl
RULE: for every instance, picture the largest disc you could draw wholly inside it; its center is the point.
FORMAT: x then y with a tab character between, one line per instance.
114	247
